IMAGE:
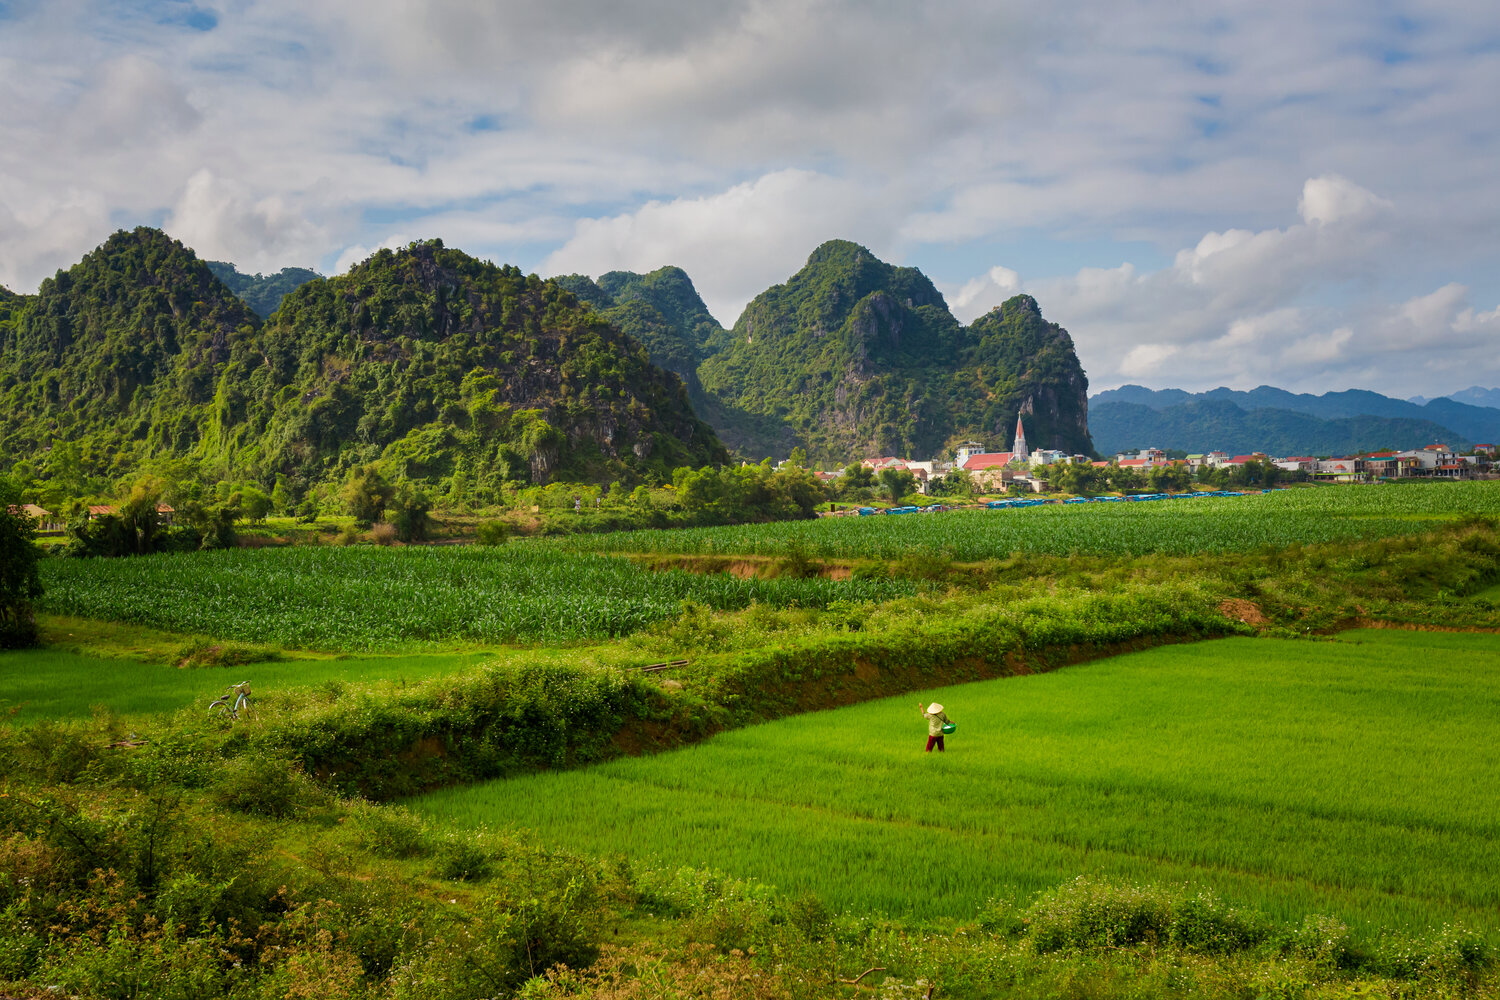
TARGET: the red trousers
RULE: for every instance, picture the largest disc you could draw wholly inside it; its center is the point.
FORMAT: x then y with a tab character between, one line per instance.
935	740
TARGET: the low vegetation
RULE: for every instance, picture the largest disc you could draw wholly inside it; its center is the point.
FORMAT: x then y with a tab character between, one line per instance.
1242	757
1148	825
1173	527
362	597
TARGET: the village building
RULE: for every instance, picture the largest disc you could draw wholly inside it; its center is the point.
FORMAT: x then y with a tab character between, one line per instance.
45	521
967	448
990	470
1049	456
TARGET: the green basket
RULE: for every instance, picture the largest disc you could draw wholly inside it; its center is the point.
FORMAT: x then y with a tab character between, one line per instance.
949	728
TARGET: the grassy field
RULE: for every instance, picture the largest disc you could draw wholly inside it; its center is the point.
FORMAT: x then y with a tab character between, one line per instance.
1354	778
1216	524
55	684
363	598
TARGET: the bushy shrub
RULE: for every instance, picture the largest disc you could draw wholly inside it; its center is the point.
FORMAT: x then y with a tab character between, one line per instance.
1325	940
1203	922
461	859
493	533
391	832
266	785
1086	913
383	533
20	580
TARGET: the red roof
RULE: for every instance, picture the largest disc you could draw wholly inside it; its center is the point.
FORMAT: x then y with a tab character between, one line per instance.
1436	447
987	460
1455	465
1242	459
1132	463
98	510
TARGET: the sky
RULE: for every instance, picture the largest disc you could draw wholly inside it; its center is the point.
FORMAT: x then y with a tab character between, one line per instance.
1302	195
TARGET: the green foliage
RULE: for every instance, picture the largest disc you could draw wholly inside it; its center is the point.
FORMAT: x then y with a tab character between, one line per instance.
897	483
366	494
1214	524
419	360
411	507
20	580
856	357
262	292
1145	770
492	533
363	597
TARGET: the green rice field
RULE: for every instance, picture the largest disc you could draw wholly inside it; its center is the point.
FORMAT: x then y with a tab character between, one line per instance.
1284	517
40	684
1356	778
381	598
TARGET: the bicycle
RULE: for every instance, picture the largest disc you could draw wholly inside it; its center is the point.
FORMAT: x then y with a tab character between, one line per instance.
233	702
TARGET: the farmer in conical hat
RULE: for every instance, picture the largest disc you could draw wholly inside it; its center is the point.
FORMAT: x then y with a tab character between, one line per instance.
935	717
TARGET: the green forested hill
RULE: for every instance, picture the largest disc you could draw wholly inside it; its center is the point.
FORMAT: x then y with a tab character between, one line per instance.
262	292
121	353
426	358
854	357
430	358
661	309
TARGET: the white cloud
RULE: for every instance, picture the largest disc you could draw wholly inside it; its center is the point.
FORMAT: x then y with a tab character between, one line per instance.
350	256
979	295
1332	198
222	220
731	138
733	244
1145	360
1244	308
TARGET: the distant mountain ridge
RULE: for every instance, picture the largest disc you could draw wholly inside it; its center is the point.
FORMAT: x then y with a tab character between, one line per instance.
1352	420
1474	395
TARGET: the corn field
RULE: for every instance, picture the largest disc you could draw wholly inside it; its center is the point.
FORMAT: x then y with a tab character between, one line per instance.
1252	521
373	598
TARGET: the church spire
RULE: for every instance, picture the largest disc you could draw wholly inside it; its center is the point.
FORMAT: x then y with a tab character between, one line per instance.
1022	453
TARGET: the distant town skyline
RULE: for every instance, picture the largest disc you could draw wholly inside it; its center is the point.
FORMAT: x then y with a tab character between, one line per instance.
1241	195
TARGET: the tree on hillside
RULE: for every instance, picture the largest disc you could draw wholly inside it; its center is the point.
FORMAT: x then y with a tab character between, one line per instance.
1079	478
897	483
959	484
411	507
856	482
366	494
20	582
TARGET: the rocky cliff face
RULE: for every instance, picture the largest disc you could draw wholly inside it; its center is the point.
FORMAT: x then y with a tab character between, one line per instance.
1027	366
855	357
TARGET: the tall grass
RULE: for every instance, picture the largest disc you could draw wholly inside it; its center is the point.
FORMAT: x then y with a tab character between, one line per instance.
1296	777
